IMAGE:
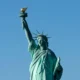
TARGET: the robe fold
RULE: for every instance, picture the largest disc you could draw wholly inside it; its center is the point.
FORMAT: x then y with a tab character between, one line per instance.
43	63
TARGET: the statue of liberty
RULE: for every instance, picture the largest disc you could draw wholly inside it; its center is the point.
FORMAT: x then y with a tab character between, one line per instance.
45	65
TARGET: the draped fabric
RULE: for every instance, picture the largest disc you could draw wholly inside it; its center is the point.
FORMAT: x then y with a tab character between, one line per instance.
43	63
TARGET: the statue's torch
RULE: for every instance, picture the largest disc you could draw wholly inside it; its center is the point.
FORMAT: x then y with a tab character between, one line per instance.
23	13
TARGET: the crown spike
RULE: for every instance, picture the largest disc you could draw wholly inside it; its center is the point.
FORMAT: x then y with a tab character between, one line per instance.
48	37
34	34
35	37
42	32
46	34
37	31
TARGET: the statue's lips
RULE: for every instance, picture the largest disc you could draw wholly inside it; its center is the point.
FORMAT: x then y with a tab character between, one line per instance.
41	43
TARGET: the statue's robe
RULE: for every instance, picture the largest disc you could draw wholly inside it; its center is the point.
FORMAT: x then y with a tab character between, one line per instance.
43	63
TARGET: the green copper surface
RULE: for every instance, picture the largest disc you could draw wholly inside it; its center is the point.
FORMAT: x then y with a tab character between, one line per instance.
45	65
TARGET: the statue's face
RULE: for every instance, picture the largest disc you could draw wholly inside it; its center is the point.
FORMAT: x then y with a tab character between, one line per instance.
41	41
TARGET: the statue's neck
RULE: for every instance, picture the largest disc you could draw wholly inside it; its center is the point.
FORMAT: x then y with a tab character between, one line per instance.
43	47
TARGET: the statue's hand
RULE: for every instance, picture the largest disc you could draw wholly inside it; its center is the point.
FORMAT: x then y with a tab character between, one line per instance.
23	14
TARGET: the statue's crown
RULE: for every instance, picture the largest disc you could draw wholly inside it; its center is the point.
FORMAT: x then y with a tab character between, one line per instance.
41	34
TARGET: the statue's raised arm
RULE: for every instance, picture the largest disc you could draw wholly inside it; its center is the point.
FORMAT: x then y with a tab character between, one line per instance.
31	43
23	15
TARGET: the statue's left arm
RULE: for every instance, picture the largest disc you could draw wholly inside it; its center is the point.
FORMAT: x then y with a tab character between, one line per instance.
58	73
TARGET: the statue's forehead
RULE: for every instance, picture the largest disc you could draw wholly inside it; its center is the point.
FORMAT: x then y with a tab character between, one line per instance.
39	37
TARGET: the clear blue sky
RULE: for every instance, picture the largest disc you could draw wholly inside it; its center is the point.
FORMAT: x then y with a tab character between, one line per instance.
60	19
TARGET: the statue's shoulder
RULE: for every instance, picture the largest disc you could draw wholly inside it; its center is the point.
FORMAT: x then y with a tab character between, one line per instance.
51	53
